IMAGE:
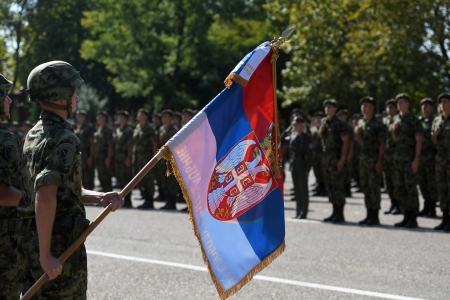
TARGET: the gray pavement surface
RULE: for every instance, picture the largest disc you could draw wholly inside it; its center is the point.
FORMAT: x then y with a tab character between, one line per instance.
395	262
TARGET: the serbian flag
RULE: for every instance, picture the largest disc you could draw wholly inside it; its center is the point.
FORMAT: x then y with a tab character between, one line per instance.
227	163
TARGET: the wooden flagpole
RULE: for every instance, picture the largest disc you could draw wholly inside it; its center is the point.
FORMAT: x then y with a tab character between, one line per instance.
95	223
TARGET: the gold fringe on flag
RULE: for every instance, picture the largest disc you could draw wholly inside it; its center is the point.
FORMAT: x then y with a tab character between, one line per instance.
233	77
168	156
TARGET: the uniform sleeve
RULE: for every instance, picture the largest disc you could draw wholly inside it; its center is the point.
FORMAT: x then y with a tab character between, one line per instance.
109	136
9	155
382	132
91	132
129	136
57	163
343	129
418	129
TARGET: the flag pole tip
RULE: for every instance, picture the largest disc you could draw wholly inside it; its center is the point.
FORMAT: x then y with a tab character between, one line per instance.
285	36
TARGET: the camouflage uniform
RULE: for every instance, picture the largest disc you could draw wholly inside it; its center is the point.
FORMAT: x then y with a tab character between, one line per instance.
373	132
301	160
334	130
426	173
52	157
124	138
389	166
10	224
317	151
85	133
169	183
144	136
103	137
404	180
348	166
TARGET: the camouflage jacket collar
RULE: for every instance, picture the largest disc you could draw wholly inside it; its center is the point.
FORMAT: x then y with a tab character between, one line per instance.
407	115
4	127
332	119
50	116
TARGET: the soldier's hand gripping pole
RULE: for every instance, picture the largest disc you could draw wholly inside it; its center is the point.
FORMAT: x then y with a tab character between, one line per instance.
95	223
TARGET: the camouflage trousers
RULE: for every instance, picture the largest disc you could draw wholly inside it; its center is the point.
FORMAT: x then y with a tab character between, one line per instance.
427	180
443	183
147	184
317	168
406	187
370	183
347	173
160	175
88	173
334	181
123	173
10	271
389	174
104	174
71	284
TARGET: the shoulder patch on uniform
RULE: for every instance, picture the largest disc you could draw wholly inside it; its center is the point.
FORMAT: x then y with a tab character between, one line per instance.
9	151
66	153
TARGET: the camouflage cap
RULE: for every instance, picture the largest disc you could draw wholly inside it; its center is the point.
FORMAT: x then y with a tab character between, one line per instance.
367	99
103	113
52	81
443	96
342	112
82	112
167	112
319	114
391	102
298	121
144	111
403	96
427	100
331	102
177	114
157	116
123	113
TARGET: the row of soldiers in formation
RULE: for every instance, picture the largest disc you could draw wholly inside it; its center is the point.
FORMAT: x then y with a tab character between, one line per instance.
124	151
408	150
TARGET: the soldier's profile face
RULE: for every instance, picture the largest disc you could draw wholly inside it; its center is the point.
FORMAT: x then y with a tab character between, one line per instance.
75	100
402	104
391	109
101	119
141	117
6	105
367	108
427	108
330	109
81	118
445	106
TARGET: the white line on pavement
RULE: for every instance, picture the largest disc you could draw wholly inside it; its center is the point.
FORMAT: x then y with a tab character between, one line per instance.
259	277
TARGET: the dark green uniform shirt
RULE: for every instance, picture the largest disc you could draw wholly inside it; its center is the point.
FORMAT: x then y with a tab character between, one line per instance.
103	137
144	136
390	143
443	144
428	148
10	170
334	129
51	154
124	137
85	133
166	134
408	127
373	132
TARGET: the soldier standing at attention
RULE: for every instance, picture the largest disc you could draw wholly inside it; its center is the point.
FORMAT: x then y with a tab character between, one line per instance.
85	133
317	155
123	152
170	184
145	147
426	173
301	161
389	159
334	134
103	151
343	115
407	133
52	192
371	135
160	166
10	195
441	138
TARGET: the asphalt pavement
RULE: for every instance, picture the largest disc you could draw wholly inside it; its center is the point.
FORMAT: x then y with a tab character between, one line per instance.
136	254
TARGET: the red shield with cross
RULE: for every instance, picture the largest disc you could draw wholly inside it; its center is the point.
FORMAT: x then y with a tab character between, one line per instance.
241	179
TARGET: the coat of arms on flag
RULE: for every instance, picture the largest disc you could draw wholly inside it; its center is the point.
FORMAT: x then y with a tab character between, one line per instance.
227	162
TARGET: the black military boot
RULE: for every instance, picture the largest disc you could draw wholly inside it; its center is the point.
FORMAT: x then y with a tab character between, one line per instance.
161	197
363	222
432	211
405	220
148	203
425	210
330	218
445	221
390	210
127	202
396	211
373	220
412	223
339	217
170	204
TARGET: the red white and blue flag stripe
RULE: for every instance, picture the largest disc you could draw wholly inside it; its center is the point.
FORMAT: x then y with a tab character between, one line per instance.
225	161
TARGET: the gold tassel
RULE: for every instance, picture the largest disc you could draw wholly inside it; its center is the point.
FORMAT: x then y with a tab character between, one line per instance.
235	78
168	156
